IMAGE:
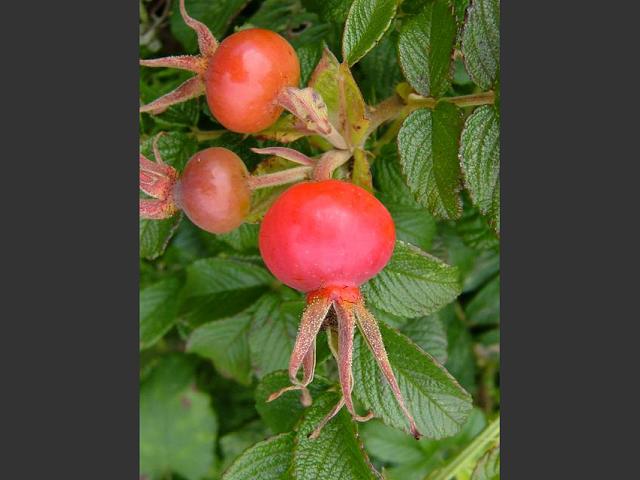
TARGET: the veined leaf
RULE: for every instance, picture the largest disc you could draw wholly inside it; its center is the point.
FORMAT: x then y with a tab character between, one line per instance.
366	23
481	42
267	460
488	467
425	48
428	145
337	453
413	283
480	161
440	406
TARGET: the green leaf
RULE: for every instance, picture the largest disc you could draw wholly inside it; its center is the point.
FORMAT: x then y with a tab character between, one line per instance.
177	425
464	460
413	283
425	48
390	444
330	10
366	23
475	231
429	334
488	467
158	310
407	459
413	223
267	460
273	332
309	56
481	42
346	107
460	359
234	443
243	239
438	403
283	414
215	15
379	70
155	235
337	453
428	146
484	307
221	287
480	161
226	343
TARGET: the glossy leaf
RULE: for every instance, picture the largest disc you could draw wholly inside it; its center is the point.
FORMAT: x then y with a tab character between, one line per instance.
481	42
438	403
425	48
366	23
413	283
480	161
428	145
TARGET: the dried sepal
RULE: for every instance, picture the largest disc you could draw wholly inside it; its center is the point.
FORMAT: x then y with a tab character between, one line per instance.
286	153
311	112
157	179
371	333
194	87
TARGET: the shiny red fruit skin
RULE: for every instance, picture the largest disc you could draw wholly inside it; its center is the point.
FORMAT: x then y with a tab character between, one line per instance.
245	76
213	190
326	234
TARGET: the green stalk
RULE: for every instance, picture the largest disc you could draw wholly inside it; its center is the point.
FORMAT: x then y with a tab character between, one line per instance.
471	453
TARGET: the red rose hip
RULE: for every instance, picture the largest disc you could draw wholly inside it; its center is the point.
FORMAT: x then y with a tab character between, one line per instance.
245	75
326	234
326	238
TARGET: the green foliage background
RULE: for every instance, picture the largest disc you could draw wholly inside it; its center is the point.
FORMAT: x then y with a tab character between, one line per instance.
216	329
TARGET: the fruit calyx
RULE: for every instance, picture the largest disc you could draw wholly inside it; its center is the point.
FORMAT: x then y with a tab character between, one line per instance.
348	304
195	86
158	180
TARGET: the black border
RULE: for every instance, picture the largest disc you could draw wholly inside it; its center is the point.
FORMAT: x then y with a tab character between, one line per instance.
568	364
69	240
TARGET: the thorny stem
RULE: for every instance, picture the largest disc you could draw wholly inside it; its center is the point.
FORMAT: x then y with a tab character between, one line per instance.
290	175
